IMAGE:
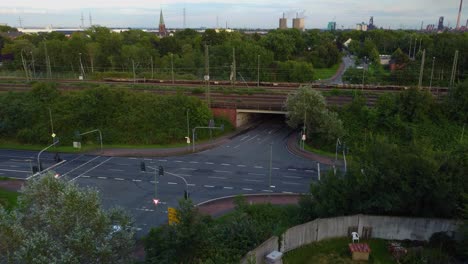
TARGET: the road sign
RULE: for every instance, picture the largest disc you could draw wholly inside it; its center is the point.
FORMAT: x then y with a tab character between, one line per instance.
53	135
172	216
206	77
303	137
156	202
188	140
76	144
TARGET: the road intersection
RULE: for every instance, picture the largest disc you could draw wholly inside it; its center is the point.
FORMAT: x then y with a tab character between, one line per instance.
242	166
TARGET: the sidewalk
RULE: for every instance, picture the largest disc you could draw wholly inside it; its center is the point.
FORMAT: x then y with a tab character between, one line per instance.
165	152
293	147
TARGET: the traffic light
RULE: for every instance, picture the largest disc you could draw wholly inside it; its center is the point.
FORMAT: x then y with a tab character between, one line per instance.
142	166
186	195
41	168
161	171
34	169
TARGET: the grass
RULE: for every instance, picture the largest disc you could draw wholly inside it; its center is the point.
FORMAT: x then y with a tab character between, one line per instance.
326	73
336	251
321	152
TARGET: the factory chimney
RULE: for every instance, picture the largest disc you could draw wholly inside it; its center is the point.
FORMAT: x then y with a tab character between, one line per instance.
459	14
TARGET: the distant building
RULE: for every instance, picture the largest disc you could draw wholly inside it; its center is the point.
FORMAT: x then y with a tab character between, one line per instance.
283	23
346	44
361	27
371	24
331	26
440	27
299	23
385	59
162	26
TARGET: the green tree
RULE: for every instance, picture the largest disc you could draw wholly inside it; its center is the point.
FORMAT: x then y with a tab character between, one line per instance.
308	107
57	222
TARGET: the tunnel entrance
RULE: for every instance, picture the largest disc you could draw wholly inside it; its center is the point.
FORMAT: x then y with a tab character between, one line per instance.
244	116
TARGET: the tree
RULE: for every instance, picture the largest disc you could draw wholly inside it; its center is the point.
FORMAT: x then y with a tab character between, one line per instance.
58	222
399	57
308	106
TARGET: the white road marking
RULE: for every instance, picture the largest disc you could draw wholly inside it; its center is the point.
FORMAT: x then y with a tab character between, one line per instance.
14	170
225	164
91	169
292	177
243	166
242	139
258	167
144	209
136	180
162	160
102	178
220	171
257	174
213	177
248	180
208	186
115	170
270	191
310	171
290	183
79	166
84	176
229	188
209	163
194	162
172	183
288	192
190	184
118	179
292	170
14	166
246	141
247	189
178	161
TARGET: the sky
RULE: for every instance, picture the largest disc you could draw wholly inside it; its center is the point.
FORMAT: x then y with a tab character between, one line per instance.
236	13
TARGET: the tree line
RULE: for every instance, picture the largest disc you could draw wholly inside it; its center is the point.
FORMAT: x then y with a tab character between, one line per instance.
280	55
124	117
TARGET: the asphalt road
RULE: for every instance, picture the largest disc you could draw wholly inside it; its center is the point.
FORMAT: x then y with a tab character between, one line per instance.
242	166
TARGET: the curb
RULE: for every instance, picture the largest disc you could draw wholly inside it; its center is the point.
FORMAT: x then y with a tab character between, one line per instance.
220	206
292	146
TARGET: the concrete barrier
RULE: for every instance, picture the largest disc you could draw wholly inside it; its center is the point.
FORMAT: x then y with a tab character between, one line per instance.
258	255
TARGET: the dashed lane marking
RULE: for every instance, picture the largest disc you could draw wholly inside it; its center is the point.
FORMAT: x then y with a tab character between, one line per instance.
288	192
220	171
208	186
249	180
144	209
276	168
172	183
15	170
247	189
270	191
84	176
290	183
256	174
228	188
292	170
102	178
243	166
162	160
258	167
191	184
194	162
310	171
178	161
209	163
136	180
225	164
118	179
292	177
214	177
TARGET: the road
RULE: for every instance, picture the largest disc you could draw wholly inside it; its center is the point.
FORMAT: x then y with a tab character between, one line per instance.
241	166
348	62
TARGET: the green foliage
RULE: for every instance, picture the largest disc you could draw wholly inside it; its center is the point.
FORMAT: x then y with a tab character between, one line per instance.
125	117
307	106
57	222
292	71
8	199
199	239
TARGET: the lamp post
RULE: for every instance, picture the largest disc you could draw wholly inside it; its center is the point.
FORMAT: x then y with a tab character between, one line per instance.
92	131
195	128
432	73
81	67
56	141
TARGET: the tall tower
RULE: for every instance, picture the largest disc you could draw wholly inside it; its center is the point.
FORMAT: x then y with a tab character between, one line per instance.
162	26
298	23
440	27
459	14
283	23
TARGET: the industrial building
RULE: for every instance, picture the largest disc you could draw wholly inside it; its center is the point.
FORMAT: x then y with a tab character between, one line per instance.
283	23
361	26
331	26
299	23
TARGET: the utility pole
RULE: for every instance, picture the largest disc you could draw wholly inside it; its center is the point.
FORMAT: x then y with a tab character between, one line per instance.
454	68
414	51
233	67
420	44
172	68
421	73
81	66
51	122
33	66
47	61
432	73
207	76
152	68
271	162
23	61
410	43
258	71
134	73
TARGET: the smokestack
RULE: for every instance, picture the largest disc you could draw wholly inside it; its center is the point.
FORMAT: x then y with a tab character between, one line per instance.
459	14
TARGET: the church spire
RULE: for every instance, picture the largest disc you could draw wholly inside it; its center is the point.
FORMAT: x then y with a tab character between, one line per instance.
161	18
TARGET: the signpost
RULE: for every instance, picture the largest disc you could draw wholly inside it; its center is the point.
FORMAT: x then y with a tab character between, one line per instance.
172	216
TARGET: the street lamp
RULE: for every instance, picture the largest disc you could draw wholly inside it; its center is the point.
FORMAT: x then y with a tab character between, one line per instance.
81	66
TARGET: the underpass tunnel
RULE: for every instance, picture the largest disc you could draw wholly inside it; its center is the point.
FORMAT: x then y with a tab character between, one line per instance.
245	117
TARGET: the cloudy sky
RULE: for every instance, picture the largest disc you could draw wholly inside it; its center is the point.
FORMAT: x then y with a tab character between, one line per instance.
237	13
